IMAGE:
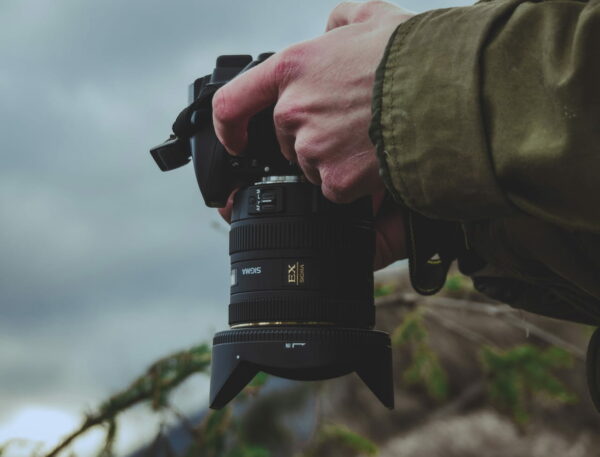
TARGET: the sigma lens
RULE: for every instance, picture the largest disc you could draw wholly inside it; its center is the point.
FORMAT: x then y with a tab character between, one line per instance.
298	259
301	291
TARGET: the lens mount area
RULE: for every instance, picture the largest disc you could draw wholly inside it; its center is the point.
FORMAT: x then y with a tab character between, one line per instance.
300	353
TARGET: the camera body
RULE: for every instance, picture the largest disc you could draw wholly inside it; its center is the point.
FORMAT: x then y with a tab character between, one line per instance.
301	266
217	172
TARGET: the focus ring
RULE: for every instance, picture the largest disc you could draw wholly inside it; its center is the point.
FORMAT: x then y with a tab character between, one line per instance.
313	334
298	234
302	309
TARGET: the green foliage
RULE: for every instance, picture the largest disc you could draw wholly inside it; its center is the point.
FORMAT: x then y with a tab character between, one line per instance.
333	439
109	440
213	430
260	429
154	387
259	380
263	421
249	451
383	290
425	368
159	380
253	387
458	285
348	438
514	378
516	375
219	435
454	283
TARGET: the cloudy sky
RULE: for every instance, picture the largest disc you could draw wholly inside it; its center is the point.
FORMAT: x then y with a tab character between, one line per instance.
107	263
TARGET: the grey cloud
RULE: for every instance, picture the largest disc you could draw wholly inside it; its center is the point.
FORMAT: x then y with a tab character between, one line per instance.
106	262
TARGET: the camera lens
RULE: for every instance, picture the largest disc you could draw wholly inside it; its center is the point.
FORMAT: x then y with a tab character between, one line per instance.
301	291
298	259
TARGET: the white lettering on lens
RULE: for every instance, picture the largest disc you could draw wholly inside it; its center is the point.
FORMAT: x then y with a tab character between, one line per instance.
252	271
294	345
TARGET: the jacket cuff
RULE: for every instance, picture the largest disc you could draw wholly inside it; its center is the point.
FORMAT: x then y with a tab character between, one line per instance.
427	114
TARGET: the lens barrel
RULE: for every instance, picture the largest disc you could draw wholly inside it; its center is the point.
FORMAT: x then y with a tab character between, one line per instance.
298	258
301	291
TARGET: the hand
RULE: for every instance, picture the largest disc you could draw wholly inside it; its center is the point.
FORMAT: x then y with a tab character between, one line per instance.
322	91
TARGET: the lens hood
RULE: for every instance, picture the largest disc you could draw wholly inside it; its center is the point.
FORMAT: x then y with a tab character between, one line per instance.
306	353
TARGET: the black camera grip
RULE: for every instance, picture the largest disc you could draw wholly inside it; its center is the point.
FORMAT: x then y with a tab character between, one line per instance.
213	166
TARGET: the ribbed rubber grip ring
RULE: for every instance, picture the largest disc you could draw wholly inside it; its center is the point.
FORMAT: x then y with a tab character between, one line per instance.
298	235
318	334
302	309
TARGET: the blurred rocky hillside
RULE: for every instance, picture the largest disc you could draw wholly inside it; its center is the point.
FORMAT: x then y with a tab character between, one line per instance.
466	423
473	378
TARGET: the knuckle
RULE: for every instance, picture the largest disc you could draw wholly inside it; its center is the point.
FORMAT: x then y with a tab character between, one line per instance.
309	165
338	188
286	148
286	116
366	10
339	9
290	62
313	177
344	5
307	154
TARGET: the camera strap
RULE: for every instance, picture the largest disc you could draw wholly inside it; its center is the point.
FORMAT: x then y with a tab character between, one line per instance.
188	119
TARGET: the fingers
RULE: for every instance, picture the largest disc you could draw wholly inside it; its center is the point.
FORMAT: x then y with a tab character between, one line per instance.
310	172
225	212
345	180
353	12
390	237
286	122
341	15
240	99
248	94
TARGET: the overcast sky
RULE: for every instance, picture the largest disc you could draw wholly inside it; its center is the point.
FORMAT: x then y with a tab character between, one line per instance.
107	263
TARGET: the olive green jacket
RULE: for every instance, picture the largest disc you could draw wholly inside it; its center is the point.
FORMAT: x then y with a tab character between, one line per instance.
487	126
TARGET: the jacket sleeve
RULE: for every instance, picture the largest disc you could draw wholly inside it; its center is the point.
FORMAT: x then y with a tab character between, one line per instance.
492	110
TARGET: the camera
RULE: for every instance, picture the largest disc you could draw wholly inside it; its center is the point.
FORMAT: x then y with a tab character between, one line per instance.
301	302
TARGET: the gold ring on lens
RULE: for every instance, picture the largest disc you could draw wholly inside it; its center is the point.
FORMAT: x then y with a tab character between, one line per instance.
278	323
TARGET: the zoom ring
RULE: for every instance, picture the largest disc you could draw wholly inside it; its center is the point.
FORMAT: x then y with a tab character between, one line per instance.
298	235
302	309
314	334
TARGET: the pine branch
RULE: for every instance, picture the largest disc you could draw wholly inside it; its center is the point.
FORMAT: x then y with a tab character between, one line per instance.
159	380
